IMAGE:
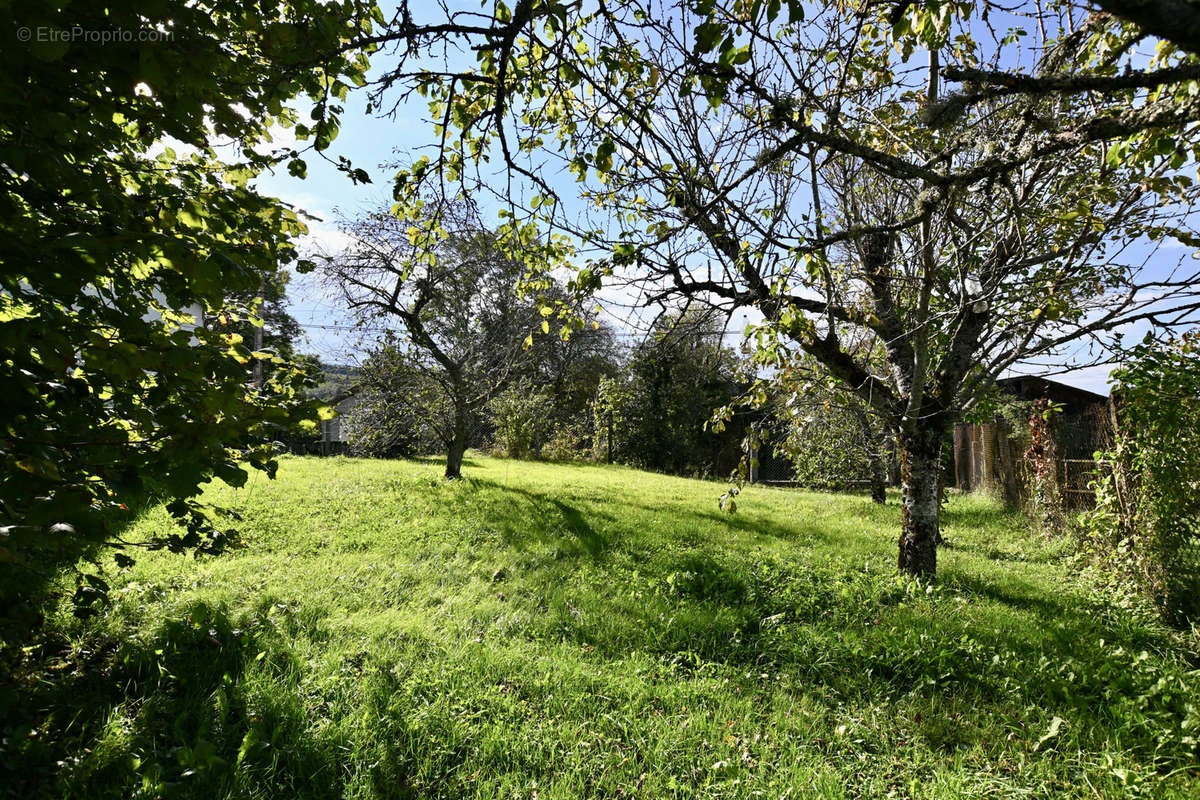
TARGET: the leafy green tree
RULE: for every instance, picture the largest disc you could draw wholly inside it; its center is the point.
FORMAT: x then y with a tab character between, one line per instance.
721	147
662	403
335	380
568	369
448	286
279	332
520	417
834	441
124	375
396	411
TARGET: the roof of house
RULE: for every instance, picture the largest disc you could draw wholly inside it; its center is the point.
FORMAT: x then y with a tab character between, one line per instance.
345	395
1033	387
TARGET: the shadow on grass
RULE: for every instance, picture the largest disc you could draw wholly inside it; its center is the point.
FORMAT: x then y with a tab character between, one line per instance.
975	516
751	523
38	573
1045	606
440	460
558	522
202	708
853	632
565	524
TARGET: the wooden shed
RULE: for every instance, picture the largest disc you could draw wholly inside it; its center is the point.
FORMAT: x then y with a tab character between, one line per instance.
990	456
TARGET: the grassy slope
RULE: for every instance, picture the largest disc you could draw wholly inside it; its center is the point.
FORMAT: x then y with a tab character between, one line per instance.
584	631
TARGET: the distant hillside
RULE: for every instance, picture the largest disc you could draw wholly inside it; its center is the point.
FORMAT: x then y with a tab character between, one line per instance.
338	379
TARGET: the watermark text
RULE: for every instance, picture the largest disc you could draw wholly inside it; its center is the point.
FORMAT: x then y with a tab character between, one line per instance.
79	34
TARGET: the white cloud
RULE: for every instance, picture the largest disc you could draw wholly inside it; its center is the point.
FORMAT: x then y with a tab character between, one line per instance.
325	239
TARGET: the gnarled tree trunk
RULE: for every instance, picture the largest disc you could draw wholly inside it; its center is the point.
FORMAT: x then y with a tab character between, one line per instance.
920	481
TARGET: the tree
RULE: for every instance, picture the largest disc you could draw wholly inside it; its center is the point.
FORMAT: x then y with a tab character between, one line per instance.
832	437
399	410
278	332
335	380
520	418
569	368
396	407
124	378
662	405
445	281
722	147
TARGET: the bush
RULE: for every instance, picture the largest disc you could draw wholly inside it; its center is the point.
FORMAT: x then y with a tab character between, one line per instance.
398	409
835	443
1146	522
520	416
659	408
570	441
381	425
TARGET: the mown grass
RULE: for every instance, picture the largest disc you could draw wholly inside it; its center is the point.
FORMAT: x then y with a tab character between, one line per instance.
585	631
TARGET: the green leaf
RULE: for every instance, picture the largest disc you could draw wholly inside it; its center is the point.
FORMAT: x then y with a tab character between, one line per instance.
48	50
708	34
604	152
1055	725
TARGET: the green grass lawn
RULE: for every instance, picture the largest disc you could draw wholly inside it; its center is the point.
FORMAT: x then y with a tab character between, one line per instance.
547	631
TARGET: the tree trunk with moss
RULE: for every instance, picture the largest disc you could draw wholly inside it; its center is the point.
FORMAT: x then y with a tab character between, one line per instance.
920	480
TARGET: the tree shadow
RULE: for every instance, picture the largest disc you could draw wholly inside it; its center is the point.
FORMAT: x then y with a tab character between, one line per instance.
747	523
976	516
37	575
1045	606
827	622
560	523
997	554
440	460
201	707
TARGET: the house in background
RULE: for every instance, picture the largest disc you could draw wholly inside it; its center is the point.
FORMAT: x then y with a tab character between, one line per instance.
990	456
333	431
331	439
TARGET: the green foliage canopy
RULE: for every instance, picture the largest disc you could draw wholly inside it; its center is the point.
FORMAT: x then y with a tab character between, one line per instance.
520	416
661	405
124	375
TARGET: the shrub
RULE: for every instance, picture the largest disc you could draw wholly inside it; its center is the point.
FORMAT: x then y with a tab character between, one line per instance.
1146	522
520	416
382	425
570	441
1045	504
659	408
834	443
